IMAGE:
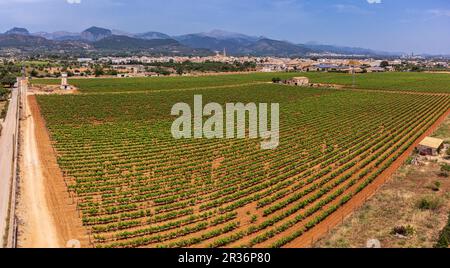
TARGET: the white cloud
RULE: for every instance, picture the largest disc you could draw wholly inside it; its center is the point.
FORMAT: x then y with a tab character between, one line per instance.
374	1
74	2
439	12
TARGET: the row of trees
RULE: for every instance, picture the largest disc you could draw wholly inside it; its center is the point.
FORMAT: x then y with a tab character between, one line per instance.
207	66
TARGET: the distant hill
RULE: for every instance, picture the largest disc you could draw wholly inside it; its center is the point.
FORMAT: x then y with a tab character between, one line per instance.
22	41
29	43
152	36
94	34
233	47
268	47
225	35
19	31
242	45
125	44
120	42
319	48
119	32
59	36
101	40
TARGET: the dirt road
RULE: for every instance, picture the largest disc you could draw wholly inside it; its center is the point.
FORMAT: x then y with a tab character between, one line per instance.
34	210
47	220
7	145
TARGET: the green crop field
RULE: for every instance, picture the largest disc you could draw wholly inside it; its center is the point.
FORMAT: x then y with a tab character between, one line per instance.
136	186
423	82
165	83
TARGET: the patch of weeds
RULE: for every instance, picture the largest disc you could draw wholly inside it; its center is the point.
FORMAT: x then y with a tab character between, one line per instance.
444	237
435	187
429	203
402	230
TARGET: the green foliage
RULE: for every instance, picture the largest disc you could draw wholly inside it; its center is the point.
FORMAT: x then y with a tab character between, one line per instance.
164	83
208	66
445	167
137	186
444	237
436	186
384	64
98	71
4	93
4	110
8	80
34	73
391	81
430	203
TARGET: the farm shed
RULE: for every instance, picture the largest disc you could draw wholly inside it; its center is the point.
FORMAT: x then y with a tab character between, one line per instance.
298	81
430	146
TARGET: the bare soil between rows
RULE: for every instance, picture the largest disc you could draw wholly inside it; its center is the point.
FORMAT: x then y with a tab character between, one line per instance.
309	238
68	224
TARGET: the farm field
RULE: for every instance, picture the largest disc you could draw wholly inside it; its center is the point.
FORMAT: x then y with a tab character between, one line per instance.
393	81
397	203
106	85
136	186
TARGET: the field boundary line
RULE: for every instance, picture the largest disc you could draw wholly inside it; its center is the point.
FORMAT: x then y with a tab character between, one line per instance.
406	92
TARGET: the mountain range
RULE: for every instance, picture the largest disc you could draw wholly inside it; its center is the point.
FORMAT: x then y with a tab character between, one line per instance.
101	40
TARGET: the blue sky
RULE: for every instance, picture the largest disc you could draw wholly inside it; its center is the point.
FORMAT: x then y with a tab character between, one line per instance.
419	26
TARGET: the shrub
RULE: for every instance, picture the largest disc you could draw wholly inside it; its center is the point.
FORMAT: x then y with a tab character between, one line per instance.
4	111
445	168
407	230
429	203
409	160
276	80
444	237
436	186
4	94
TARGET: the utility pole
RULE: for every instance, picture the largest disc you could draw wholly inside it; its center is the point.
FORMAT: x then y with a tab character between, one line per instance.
354	76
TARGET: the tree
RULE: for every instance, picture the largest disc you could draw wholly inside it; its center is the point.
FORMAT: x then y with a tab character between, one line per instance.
384	64
3	94
98	72
180	71
8	80
112	72
34	73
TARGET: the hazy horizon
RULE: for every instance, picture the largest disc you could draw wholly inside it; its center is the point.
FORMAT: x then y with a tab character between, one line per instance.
412	26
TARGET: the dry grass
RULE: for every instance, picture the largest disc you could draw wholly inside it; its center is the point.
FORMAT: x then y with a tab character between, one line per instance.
396	205
400	203
444	130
